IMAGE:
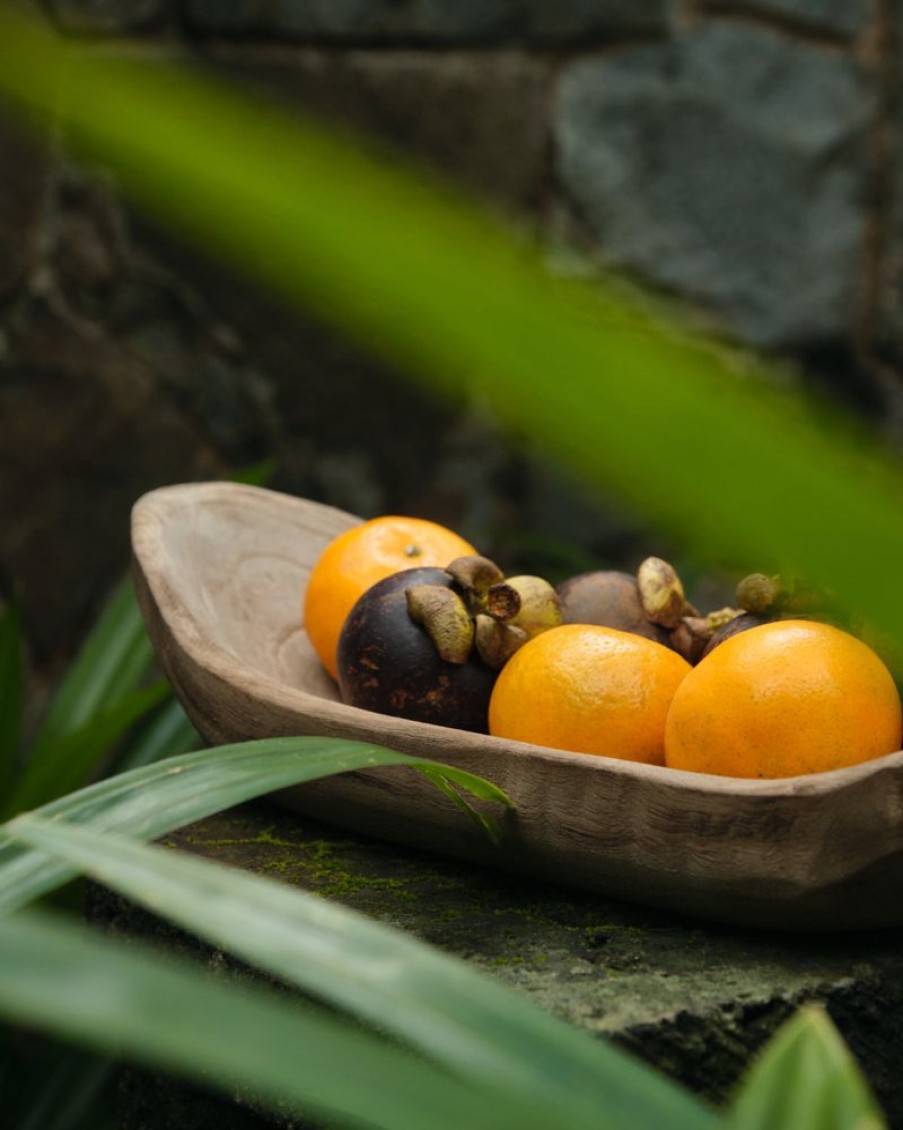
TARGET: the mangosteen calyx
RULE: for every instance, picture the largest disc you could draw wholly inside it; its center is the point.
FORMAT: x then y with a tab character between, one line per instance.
444	616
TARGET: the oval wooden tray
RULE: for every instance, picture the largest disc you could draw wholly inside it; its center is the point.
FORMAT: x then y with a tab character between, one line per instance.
220	571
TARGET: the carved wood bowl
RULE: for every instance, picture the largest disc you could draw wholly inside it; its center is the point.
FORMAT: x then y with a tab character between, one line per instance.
220	571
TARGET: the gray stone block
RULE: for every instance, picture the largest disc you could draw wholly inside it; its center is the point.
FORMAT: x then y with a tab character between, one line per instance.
887	263
432	21
479	118
692	999
729	166
845	18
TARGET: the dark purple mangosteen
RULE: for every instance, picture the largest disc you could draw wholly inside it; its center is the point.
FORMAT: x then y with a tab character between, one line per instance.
734	627
389	664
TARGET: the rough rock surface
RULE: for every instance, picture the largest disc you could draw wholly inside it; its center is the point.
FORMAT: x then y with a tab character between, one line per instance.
477	118
888	325
727	165
693	999
845	19
81	402
432	21
22	197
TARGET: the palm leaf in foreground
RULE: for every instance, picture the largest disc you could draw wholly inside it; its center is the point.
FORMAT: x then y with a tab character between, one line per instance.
12	691
155	799
285	1053
111	663
470	1024
168	731
74	756
101	696
62	1088
806	1079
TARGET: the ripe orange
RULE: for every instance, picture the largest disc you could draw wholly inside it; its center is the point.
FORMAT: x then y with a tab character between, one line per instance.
360	557
783	699
588	689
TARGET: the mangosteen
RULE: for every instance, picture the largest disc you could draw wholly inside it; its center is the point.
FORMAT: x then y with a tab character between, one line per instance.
733	627
612	600
389	663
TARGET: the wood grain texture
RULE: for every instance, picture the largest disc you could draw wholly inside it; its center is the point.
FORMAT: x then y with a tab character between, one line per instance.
220	571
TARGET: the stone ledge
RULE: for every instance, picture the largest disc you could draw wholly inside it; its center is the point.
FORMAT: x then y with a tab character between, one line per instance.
694	1000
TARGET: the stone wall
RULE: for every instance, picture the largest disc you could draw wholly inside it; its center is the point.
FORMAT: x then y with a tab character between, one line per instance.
739	156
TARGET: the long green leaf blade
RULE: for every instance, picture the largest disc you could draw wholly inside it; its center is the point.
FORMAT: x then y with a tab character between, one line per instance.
12	692
167	733
465	1021
656	416
171	1015
113	660
444	783
805	1079
72	1092
64	763
148	802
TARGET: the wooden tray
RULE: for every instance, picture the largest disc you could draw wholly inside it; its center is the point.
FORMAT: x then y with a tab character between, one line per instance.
220	571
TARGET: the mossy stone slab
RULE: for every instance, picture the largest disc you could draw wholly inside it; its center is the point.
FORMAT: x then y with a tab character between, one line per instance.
693	999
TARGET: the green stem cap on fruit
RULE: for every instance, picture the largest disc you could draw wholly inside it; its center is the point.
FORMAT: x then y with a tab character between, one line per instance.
538	605
484	610
661	592
690	637
722	616
475	574
503	602
758	592
496	642
444	616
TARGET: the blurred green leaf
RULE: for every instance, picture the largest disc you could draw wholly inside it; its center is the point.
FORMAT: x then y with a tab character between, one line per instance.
12	693
255	475
147	802
112	662
720	459
481	1031
64	1089
805	1079
287	1053
167	732
62	764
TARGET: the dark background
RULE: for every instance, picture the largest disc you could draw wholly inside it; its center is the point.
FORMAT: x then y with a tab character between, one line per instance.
740	158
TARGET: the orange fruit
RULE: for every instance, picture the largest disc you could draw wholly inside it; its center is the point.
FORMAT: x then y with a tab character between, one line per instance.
783	699
588	689
360	557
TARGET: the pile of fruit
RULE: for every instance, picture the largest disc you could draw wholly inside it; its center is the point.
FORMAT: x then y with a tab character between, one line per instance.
412	621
